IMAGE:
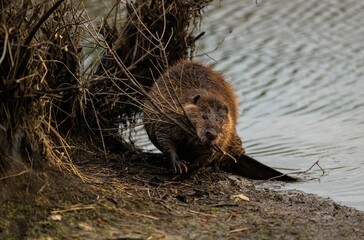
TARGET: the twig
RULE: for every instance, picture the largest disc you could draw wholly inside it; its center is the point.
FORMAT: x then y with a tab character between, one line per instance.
224	205
201	34
29	38
201	213
75	208
218	149
41	21
323	171
238	230
144	215
5	44
301	172
15	175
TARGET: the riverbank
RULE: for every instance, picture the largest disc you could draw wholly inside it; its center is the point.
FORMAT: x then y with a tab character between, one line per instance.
136	200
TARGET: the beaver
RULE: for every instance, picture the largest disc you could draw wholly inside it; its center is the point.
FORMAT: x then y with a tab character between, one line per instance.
189	112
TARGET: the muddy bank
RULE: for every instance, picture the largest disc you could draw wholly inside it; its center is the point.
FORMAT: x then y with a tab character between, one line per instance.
143	201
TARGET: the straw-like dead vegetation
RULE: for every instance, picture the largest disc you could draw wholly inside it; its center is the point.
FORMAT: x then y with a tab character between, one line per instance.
39	49
155	35
48	99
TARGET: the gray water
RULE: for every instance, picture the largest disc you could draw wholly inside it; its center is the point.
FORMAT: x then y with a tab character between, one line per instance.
297	68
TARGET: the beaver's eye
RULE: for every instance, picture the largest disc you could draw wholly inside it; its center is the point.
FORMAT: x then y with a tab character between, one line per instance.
195	99
224	109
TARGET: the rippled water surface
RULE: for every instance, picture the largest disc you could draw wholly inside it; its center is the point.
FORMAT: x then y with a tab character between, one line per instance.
297	67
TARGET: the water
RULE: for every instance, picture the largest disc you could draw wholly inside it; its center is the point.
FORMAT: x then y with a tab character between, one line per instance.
297	68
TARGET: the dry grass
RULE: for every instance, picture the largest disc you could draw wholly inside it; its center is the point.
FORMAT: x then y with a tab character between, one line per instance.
39	50
46	92
155	35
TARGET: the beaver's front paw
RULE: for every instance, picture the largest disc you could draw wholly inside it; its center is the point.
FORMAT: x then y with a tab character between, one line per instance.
179	165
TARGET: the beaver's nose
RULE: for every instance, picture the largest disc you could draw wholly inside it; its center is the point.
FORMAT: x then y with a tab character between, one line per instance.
211	135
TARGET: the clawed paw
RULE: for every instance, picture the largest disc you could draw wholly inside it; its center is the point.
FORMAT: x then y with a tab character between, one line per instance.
179	166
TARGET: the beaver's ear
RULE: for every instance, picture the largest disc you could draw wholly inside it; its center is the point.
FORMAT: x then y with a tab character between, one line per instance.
195	99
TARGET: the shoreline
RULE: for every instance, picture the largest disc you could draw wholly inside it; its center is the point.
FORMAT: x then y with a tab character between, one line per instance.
134	200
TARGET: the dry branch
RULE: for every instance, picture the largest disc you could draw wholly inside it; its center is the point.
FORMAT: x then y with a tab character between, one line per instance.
38	56
155	35
45	93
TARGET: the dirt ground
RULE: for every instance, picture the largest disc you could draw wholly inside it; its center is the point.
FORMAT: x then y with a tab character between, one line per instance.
140	200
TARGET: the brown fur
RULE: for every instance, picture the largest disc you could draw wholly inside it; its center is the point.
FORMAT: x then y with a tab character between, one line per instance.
189	109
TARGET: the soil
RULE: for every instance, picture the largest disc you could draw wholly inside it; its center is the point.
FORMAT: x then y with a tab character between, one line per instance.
136	199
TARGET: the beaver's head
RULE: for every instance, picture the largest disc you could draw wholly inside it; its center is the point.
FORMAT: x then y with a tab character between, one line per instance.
210	117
